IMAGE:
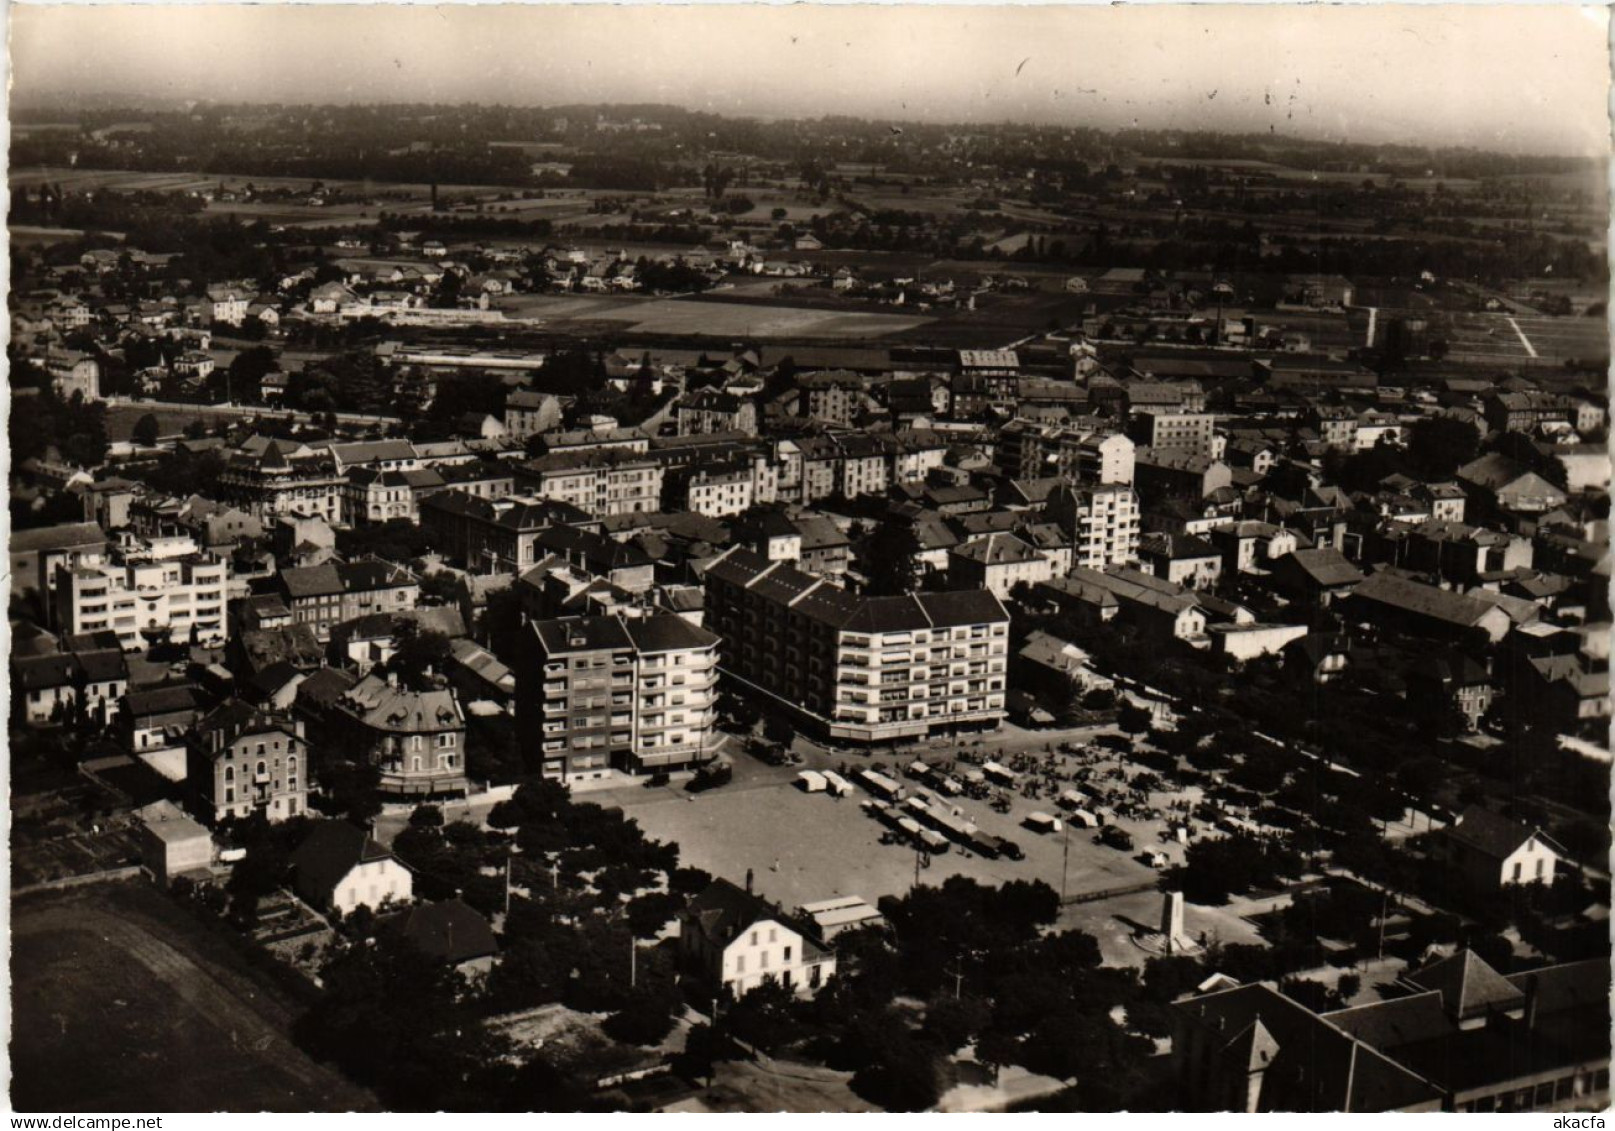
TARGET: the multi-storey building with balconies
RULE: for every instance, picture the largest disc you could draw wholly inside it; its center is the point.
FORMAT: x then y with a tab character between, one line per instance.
146	591
1102	523
599	694
267	478
867	670
1028	450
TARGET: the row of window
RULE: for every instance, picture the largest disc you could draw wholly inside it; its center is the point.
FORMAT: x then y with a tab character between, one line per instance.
1543	1095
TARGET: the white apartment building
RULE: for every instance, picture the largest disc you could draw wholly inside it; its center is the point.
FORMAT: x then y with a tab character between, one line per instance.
1102	522
146	591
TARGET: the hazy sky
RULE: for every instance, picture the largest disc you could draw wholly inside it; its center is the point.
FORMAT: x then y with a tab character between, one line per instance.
1526	78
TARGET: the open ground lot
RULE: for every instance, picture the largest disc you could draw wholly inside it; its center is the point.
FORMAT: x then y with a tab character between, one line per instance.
826	847
803	847
122	1002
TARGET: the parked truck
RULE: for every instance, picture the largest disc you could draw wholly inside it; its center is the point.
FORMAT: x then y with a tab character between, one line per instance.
1041	822
880	785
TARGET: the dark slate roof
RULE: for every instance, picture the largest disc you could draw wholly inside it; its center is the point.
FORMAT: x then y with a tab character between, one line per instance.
71	535
311	581
888	614
600	552
998	549
723	910
34	673
103	665
1397	1021
234	718
449	931
1488	832
273	678
372	573
330	851
739	566
1468	986
476	471
583	634
1566	1027
784	584
1492	470
1177	547
162	701
668	633
325	687
963	607
104	641
295	643
827	604
1327	566
1425	600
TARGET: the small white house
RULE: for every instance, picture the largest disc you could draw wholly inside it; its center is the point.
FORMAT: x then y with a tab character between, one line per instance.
338	867
1492	851
739	941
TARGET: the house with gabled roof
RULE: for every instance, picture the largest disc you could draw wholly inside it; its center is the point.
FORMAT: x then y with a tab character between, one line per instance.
340	867
1315	575
453	933
737	941
1498	483
1492	851
997	563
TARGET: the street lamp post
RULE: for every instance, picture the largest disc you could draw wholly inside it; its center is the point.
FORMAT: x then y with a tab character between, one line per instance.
1065	858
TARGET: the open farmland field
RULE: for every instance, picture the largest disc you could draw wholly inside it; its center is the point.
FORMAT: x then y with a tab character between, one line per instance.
1002	318
671	316
1562	338
1501	339
716	318
131	180
303	216
29	235
130	1005
120	180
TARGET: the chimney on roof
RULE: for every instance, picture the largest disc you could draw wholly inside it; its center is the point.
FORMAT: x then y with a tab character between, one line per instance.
392	679
1533	999
748	881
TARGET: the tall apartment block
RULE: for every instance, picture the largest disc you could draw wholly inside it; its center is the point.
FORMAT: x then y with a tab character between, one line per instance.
859	669
603	693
